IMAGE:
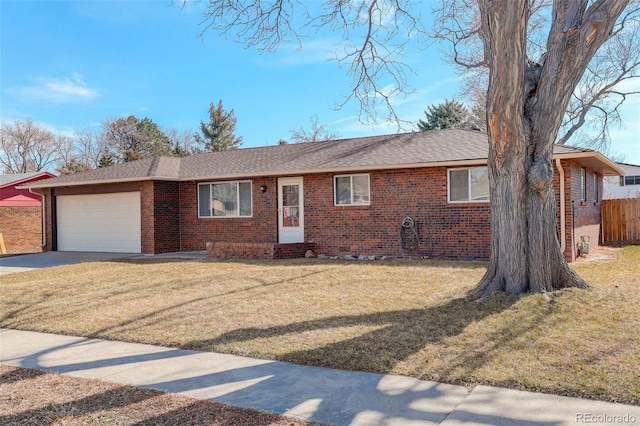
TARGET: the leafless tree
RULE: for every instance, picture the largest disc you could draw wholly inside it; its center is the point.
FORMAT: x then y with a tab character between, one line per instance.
85	151
534	64
26	146
531	82
600	94
595	104
317	133
183	142
374	36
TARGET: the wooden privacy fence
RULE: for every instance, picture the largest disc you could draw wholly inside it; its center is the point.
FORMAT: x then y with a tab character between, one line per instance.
621	221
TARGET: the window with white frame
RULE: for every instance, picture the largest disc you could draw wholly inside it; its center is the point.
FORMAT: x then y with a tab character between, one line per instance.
595	188
468	185
583	184
225	199
351	190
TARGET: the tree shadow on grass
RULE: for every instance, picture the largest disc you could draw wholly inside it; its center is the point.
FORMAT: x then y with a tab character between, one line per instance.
211	413
13	376
128	404
121	396
396	335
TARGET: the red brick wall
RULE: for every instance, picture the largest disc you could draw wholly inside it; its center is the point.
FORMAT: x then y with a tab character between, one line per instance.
261	228
51	209
49	219
160	216
587	215
566	166
222	250
21	229
170	219
444	229
147	217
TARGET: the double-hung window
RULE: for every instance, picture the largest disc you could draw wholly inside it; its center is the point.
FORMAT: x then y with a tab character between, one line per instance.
351	190
225	199
468	185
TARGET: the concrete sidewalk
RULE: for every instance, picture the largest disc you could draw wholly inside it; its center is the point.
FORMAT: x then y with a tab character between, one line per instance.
316	394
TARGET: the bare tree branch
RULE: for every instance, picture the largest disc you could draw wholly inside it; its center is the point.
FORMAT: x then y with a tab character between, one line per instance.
375	34
317	133
26	146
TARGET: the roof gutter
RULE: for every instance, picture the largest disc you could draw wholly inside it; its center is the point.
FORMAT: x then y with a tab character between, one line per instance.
619	171
563	232
343	169
91	182
292	172
44	217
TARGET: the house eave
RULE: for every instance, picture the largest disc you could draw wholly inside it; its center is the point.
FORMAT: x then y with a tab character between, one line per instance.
595	161
20	184
363	168
88	182
592	159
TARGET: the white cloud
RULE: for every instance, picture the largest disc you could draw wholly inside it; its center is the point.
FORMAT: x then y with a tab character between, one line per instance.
57	91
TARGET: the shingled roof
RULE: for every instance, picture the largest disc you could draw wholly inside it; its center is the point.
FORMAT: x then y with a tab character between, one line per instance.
404	150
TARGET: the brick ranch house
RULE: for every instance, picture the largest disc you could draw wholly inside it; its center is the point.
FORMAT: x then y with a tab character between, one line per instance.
21	213
341	197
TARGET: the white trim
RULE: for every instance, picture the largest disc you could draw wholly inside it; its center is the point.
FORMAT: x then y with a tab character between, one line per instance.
563	231
109	222
583	184
616	170
469	201
593	154
237	182
351	176
291	234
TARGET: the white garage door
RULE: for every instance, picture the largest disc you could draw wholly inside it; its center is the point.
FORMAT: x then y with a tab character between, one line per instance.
99	222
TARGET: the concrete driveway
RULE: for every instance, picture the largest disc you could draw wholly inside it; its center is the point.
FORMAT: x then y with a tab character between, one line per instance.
28	262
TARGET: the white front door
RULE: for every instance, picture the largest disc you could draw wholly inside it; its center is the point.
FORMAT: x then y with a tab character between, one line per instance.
290	210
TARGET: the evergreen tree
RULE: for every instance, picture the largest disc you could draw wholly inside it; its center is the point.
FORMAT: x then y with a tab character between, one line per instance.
131	138
219	133
447	115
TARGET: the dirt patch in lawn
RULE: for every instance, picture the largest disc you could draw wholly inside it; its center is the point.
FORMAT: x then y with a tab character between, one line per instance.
600	254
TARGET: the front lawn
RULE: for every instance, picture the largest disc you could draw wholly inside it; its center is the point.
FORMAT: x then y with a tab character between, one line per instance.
403	317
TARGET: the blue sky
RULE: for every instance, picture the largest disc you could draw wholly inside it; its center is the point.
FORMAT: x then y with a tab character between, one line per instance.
72	64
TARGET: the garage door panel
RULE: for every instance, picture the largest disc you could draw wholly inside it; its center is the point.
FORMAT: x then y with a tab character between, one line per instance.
99	222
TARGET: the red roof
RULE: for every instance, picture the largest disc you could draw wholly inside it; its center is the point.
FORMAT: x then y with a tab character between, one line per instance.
10	196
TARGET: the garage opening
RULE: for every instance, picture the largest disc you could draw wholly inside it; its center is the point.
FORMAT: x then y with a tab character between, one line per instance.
99	222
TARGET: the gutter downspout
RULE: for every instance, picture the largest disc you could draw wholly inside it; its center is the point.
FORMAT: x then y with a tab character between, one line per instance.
563	233
44	217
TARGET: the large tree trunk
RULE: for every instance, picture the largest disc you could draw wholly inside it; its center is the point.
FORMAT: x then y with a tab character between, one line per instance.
525	105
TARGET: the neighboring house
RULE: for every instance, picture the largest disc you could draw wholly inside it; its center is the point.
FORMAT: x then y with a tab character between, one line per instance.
627	186
21	213
341	197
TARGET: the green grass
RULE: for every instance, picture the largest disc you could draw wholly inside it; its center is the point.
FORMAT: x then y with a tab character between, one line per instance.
403	317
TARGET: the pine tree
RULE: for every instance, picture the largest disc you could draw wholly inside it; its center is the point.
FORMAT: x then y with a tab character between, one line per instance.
447	115
219	133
